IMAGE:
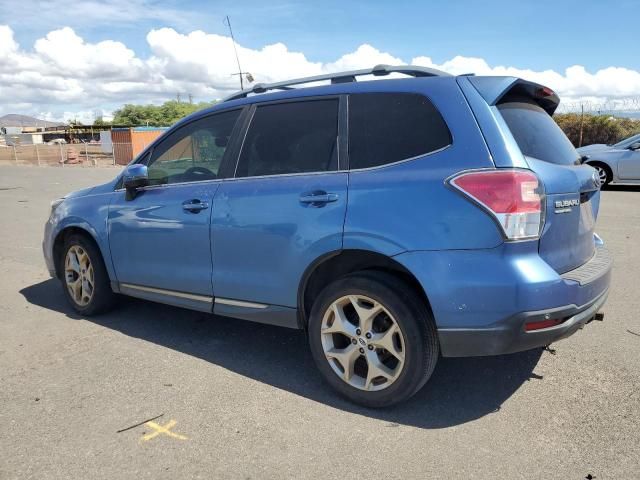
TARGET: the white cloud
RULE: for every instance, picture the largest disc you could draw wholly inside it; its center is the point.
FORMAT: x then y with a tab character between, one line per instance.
63	76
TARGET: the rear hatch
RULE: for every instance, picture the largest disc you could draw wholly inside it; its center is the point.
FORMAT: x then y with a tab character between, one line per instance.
572	191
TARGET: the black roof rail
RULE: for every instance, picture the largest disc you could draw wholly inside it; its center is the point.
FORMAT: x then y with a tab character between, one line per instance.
341	77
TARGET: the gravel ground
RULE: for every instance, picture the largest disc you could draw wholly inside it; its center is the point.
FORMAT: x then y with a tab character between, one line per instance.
242	400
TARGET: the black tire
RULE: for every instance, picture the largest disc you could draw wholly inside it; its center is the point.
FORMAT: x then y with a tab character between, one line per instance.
103	298
421	349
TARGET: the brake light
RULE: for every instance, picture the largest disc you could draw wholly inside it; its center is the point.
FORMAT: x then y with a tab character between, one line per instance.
513	197
545	92
541	324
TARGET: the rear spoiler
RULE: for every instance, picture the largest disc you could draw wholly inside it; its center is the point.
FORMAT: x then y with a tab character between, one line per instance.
494	89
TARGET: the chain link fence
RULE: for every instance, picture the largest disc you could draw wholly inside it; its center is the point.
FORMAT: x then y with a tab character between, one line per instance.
626	107
62	155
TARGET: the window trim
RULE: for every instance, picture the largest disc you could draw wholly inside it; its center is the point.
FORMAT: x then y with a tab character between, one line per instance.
340	150
403	160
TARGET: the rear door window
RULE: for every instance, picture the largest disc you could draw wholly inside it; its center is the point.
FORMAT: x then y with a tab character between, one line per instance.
292	137
389	127
537	134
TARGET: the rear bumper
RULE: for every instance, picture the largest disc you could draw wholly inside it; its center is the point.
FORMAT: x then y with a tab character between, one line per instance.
512	336
481	299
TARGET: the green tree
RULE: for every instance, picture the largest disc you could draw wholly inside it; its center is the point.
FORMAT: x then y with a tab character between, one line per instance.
156	115
101	122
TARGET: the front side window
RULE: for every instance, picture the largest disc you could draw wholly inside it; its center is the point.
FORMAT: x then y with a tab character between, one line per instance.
293	137
389	127
193	152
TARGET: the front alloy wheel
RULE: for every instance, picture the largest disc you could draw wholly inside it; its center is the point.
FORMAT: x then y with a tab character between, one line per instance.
84	277
79	275
362	342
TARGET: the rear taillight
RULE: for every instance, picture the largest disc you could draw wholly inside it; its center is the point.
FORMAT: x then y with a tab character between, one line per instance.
514	198
530	326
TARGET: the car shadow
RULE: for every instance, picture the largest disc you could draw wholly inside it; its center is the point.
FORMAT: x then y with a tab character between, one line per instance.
460	390
622	188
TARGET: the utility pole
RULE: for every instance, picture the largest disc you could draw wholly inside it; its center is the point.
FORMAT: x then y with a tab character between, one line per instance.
227	22
581	124
190	98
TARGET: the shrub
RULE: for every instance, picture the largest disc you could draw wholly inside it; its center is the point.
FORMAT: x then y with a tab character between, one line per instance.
596	128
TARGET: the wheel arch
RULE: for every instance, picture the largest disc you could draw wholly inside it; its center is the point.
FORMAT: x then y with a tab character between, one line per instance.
63	234
605	165
336	264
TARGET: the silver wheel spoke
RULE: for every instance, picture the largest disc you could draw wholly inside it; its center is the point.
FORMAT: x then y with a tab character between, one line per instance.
86	289
366	314
347	358
76	290
385	340
73	262
340	323
376	369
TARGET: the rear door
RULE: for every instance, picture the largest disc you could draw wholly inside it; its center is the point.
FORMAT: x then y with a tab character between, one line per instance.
284	208
572	190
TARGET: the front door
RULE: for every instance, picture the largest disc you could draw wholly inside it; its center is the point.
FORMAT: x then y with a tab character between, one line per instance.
629	165
284	208
160	241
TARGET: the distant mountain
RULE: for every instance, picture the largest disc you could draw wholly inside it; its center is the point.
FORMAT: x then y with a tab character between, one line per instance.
15	120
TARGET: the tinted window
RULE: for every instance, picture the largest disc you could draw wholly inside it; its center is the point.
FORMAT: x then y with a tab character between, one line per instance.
388	127
536	133
291	138
193	152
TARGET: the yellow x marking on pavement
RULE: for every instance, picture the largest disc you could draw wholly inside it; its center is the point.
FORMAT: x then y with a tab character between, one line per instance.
162	430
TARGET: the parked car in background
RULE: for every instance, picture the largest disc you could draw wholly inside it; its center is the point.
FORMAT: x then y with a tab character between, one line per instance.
394	221
57	141
617	163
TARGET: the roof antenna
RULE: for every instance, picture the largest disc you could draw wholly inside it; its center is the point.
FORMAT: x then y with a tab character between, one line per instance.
227	22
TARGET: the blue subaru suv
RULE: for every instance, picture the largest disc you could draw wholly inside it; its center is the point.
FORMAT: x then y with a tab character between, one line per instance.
394	221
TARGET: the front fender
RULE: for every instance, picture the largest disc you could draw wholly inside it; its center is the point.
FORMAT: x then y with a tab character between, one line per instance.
88	214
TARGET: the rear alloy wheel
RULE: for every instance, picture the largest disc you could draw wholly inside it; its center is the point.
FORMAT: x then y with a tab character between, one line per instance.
362	342
84	277
373	338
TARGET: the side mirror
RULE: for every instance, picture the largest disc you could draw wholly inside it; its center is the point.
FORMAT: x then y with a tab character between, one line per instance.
634	146
135	176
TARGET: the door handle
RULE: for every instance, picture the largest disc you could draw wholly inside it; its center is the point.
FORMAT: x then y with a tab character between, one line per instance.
318	197
194	205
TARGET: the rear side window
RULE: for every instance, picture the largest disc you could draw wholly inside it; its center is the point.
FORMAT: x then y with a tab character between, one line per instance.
389	127
295	137
536	133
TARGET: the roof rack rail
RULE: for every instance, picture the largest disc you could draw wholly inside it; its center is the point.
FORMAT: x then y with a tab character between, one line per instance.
340	77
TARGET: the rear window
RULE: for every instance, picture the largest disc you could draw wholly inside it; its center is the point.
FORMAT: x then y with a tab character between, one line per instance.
536	133
389	127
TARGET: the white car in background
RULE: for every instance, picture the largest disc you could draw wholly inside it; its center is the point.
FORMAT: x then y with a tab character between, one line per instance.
618	163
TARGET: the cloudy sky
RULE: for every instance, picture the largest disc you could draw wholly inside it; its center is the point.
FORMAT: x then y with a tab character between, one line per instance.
68	59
